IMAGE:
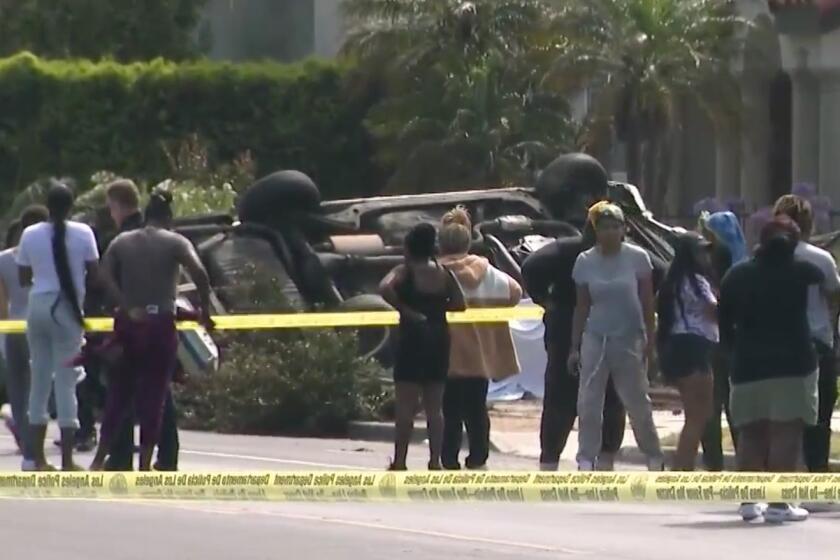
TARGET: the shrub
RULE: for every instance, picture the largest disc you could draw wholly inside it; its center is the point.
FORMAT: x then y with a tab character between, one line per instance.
296	382
303	383
78	117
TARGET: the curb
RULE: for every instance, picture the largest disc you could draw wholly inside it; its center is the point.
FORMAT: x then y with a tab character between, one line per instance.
385	432
634	456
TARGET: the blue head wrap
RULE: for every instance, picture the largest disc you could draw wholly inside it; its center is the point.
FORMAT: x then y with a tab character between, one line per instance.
727	229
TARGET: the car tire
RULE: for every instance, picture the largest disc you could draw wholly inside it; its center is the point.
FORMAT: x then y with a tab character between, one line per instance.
568	177
374	342
277	195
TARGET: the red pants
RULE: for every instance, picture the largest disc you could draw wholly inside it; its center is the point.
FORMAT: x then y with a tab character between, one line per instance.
150	351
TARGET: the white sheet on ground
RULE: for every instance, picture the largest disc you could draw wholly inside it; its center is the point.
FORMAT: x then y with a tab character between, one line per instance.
528	340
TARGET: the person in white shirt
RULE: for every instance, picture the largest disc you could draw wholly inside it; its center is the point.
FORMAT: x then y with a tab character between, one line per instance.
54	258
13	303
822	317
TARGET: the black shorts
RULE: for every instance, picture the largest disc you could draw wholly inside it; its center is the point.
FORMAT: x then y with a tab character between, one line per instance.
682	355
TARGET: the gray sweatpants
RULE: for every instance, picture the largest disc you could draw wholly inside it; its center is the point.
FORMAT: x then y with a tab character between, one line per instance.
55	338
621	358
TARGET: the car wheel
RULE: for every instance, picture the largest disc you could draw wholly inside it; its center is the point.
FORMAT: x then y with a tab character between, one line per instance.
278	195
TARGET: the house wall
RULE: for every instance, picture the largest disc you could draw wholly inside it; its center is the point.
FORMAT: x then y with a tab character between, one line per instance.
257	29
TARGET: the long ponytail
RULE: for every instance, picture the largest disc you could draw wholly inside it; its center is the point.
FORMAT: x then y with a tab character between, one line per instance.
59	204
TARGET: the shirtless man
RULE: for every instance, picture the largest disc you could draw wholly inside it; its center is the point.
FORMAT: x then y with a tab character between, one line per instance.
141	271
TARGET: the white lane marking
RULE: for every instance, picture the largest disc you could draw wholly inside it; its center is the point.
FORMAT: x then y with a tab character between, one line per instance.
266	459
203	508
187	506
275	460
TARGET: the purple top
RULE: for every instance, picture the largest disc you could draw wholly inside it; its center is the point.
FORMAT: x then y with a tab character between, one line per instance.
691	318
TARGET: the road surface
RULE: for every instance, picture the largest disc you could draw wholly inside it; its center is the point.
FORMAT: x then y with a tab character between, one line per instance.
88	530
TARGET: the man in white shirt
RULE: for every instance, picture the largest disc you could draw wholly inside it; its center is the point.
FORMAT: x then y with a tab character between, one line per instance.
822	317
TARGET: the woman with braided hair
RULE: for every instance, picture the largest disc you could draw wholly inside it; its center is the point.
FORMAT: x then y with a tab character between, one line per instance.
54	258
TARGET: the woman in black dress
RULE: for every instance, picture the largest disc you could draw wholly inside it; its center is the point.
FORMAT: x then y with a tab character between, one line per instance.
422	291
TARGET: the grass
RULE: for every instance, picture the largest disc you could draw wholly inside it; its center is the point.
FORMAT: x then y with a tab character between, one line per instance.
671	441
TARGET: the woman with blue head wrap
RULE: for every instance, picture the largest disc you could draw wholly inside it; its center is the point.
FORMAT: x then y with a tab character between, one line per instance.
729	247
723	229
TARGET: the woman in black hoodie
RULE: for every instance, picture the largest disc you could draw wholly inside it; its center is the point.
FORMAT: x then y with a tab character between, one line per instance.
763	317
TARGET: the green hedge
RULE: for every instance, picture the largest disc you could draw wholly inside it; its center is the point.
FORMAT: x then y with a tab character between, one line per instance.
77	117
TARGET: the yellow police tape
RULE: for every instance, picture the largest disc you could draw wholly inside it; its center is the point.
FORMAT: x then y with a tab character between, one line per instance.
427	487
318	320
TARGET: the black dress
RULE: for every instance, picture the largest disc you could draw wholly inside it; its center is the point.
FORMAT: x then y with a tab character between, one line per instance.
423	347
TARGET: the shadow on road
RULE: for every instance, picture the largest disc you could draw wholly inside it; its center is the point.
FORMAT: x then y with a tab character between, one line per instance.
735	523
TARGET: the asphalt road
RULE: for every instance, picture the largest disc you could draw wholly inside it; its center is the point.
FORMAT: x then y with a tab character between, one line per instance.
88	530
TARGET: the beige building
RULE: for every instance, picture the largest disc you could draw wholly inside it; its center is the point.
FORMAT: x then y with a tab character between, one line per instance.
789	76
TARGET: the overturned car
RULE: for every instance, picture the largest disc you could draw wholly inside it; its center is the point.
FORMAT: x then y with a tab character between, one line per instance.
331	255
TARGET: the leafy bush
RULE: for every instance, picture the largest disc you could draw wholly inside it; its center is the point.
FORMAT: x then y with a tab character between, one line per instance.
78	117
297	382
100	28
303	383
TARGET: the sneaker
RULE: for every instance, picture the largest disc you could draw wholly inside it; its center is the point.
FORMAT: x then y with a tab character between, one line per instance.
786	513
549	467
28	465
751	512
586	466
606	462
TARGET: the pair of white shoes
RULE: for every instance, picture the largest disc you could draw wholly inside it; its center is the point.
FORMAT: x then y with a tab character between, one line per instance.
773	514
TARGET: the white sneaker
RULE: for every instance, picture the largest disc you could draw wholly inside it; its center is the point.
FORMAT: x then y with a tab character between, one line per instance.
606	462
789	512
751	512
28	465
586	466
546	467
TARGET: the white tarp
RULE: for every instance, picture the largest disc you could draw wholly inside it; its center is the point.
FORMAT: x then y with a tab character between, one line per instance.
528	340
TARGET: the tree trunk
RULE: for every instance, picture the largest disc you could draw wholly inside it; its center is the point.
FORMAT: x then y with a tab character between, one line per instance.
633	152
663	176
651	153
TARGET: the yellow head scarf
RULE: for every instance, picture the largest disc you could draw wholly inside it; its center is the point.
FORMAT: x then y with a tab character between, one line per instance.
605	209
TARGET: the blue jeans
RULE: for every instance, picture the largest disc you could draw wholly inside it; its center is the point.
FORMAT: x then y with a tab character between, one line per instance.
55	338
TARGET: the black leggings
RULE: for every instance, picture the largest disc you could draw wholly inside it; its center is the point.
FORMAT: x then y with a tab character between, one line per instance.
817	439
465	403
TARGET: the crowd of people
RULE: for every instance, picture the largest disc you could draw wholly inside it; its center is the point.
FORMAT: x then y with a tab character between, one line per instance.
748	332
49	277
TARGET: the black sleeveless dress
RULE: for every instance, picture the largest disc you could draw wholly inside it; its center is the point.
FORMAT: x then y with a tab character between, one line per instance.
423	346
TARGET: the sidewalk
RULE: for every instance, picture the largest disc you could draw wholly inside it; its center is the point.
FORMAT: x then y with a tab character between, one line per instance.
516	431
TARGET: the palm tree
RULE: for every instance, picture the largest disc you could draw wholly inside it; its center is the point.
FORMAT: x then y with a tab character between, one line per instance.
462	89
642	59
